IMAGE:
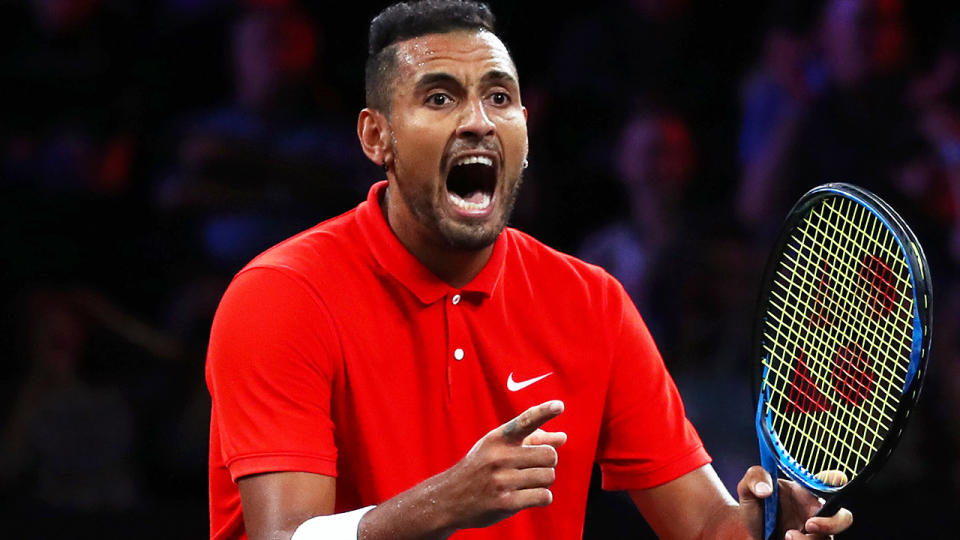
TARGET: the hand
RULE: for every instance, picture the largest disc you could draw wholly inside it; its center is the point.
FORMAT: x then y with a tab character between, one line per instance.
797	506
511	468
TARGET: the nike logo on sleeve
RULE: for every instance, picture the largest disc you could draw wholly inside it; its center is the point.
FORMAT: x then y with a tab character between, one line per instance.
513	385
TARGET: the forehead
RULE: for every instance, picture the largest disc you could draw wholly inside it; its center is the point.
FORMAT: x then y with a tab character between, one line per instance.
463	54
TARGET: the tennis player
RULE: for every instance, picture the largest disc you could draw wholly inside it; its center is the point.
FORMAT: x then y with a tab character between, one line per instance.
414	368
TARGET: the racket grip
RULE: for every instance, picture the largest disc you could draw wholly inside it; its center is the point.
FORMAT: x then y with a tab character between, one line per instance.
771	504
770	507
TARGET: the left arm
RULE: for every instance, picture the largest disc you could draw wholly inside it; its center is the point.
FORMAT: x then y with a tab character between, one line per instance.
697	505
644	411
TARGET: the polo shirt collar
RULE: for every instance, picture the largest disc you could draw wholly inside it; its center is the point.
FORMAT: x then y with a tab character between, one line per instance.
396	260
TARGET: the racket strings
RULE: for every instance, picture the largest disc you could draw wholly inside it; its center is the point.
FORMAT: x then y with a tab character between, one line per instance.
875	334
902	320
842	265
834	340
905	304
844	309
831	422
819	296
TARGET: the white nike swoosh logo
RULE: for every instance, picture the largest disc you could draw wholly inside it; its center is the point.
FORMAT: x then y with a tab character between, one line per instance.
513	385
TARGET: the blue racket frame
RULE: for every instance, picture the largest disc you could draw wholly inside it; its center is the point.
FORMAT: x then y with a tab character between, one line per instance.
773	457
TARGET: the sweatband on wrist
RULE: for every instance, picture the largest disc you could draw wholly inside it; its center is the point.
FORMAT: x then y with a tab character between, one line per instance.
343	526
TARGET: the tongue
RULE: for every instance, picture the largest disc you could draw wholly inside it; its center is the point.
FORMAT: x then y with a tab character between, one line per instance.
476	197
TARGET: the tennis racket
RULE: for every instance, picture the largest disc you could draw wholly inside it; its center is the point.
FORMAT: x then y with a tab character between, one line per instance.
842	337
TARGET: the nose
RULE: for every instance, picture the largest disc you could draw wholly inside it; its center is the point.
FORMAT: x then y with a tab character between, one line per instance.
475	123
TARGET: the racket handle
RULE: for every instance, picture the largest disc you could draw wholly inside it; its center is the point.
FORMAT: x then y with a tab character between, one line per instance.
770	507
771	504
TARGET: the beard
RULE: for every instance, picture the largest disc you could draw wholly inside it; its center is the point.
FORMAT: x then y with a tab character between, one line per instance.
456	234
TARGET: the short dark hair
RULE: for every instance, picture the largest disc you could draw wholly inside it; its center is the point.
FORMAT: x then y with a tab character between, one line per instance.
406	20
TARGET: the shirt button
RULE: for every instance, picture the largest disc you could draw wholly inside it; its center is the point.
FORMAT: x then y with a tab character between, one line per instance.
458	354
456	299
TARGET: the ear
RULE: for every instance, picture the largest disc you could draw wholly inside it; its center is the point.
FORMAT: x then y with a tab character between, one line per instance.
373	130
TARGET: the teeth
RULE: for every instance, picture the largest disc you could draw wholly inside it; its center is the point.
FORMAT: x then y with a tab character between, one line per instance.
470	206
472	160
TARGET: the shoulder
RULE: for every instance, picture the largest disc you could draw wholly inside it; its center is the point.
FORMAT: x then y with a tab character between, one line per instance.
554	268
318	249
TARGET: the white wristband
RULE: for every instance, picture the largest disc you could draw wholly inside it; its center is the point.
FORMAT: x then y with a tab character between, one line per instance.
343	526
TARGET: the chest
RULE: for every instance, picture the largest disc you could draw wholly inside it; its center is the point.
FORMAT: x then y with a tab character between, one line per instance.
426	381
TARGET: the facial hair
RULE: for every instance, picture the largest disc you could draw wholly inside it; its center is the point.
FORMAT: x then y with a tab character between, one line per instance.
455	235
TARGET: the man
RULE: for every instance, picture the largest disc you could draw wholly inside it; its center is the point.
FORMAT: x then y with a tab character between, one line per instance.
368	362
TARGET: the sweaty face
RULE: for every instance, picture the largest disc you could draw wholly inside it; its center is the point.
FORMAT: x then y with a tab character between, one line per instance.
458	138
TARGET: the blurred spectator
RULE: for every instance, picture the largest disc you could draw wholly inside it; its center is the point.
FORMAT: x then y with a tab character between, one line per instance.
603	61
69	141
67	115
76	442
655	163
278	157
931	181
859	129
774	97
68	444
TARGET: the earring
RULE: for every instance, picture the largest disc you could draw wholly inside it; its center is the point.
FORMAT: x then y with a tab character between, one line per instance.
525	163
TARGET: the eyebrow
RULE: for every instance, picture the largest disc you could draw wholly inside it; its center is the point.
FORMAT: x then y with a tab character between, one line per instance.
500	77
431	79
493	76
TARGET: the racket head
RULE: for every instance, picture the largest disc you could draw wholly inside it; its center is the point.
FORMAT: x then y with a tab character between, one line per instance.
842	337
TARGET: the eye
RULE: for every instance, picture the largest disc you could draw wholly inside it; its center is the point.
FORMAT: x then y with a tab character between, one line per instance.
500	98
438	99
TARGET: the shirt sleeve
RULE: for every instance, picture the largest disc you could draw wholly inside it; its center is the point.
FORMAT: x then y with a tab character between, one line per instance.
271	364
646	439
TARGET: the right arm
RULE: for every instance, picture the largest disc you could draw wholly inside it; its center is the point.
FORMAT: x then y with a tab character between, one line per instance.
511	468
275	504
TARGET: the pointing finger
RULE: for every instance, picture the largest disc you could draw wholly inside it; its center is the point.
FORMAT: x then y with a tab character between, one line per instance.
516	430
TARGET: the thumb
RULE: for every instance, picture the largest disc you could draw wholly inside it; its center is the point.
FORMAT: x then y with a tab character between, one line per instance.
755	485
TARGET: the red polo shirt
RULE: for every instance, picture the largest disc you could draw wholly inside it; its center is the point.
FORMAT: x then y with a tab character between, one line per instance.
336	352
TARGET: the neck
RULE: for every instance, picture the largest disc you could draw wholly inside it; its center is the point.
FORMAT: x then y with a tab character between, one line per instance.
455	267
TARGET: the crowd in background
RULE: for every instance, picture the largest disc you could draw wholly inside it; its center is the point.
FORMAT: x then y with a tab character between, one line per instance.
149	149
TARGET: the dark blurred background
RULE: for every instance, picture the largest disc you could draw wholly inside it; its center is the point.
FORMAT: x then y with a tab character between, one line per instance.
149	149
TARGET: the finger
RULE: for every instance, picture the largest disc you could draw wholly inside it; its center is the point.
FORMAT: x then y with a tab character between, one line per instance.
529	457
555	439
834	524
755	484
529	498
529	420
797	535
794	534
539	477
800	501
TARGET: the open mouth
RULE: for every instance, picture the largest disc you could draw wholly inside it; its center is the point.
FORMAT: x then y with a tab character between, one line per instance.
471	183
